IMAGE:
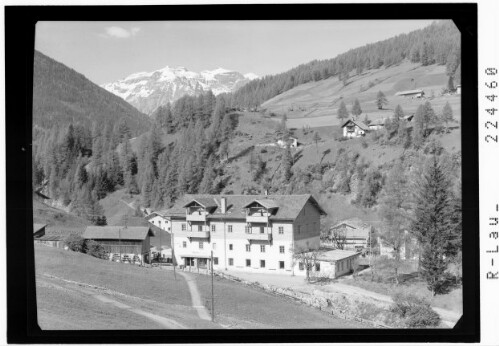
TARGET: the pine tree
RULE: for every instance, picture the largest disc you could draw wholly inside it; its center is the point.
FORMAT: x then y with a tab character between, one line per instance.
356	110
398	113
342	112
450	84
418	132
381	100
447	114
287	163
432	225
316	139
210	174
394	212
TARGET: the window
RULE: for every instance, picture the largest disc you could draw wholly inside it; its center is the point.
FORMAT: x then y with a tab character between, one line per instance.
231	261
213	228
281	230
262	248
200	228
200	244
214	246
184	244
215	261
230	247
317	267
281	249
184	227
248	247
262	230
281	264
247	229
301	266
230	228
248	263
262	264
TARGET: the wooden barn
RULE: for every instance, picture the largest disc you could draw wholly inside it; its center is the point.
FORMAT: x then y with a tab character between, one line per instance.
124	244
417	93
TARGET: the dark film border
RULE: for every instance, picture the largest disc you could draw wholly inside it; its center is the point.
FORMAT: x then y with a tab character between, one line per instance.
20	23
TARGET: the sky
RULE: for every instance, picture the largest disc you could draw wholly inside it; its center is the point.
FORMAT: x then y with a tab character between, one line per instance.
108	51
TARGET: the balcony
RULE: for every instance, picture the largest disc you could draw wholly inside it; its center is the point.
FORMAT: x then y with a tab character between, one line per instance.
257	218
195	234
259	236
196	216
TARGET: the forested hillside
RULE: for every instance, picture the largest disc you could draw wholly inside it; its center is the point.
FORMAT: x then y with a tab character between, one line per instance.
62	96
439	43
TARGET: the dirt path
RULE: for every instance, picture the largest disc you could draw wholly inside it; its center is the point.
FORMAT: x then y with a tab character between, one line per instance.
195	296
130	205
163	321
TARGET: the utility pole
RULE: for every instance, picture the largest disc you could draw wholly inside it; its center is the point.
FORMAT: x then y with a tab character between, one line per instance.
212	295
173	256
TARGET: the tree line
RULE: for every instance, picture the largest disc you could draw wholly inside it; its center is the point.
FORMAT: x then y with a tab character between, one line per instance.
438	43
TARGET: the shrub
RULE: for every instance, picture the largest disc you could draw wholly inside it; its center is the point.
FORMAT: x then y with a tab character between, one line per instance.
75	243
415	309
95	249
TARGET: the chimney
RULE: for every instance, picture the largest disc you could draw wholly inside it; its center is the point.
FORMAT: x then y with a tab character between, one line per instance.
223	205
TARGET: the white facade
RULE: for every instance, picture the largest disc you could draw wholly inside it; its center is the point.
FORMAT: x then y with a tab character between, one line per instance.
160	221
252	243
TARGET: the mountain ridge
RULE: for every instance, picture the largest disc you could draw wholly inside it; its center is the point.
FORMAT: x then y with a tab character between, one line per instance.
149	90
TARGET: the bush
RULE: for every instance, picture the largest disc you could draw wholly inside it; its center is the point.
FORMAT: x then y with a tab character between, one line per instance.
75	243
95	249
416	310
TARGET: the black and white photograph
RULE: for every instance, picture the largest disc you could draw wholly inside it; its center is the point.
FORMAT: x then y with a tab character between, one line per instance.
247	174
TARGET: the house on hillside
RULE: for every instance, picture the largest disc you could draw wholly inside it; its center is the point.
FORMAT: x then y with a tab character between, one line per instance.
330	264
157	219
377	124
252	233
292	142
38	230
354	128
408	118
352	234
124	244
417	93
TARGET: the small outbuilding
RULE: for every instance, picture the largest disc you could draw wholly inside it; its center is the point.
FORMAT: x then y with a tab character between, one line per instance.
330	264
354	128
38	230
458	89
292	142
124	244
353	234
417	93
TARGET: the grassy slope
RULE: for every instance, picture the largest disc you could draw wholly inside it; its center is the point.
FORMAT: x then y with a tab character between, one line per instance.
118	208
45	214
316	103
237	305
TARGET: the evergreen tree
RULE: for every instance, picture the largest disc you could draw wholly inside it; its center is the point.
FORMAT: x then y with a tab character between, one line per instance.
394	212
342	112
316	139
287	163
447	114
398	113
210	174
450	84
356	110
432	225
381	100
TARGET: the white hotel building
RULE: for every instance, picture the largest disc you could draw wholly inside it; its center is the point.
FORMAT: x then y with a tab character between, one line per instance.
255	233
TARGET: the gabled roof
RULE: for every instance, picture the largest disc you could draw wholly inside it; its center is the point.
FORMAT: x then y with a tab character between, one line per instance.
288	206
267	203
336	255
205	202
359	123
355	228
117	232
38	227
406	92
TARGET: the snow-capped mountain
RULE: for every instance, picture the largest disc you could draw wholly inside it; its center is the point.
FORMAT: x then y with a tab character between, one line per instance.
149	90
